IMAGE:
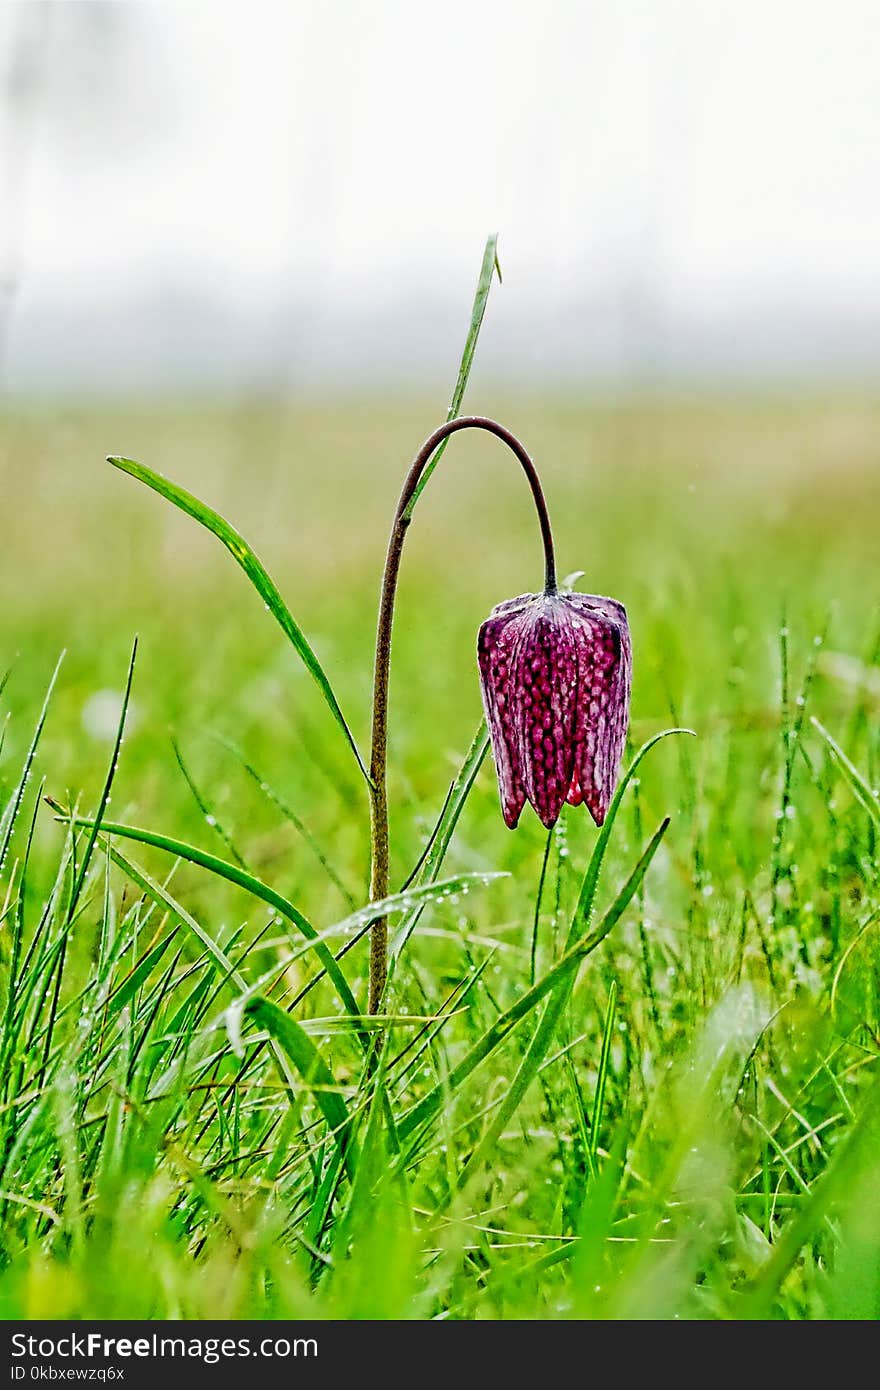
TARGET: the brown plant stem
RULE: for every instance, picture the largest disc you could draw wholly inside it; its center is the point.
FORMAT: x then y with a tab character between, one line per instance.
379	880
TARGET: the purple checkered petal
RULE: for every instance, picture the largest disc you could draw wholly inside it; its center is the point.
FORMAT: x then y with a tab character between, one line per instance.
546	677
555	674
605	673
496	651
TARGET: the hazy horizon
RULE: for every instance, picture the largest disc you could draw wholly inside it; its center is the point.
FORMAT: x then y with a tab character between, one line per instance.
290	199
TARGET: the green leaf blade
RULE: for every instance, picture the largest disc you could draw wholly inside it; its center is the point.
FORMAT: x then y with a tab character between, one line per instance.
313	1069
488	269
256	572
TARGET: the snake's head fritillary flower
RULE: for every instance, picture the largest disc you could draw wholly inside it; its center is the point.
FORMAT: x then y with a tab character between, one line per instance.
555	671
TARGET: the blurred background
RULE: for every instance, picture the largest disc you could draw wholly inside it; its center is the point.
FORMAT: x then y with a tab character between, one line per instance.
283	197
240	243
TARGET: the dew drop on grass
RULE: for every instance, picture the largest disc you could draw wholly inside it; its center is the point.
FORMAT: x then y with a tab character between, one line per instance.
561	838
211	820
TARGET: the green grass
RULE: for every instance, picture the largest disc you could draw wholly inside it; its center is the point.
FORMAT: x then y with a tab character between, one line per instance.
688	1126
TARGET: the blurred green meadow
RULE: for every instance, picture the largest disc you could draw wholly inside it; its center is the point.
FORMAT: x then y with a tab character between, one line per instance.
700	1139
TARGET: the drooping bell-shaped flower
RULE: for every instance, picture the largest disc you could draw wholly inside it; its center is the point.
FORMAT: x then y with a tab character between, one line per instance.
555	672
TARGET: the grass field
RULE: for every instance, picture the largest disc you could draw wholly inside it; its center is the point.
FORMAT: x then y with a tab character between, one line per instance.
698	1134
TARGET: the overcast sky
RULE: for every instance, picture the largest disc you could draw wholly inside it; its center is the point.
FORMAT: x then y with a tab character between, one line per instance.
297	191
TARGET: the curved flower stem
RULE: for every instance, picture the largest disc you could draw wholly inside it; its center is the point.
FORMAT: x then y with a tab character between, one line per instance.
379	883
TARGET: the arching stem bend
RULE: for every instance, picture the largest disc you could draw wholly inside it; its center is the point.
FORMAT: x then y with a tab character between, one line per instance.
379	880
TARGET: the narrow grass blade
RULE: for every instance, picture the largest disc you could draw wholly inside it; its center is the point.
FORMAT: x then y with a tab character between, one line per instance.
65	1129
256	573
596	1223
545	1032
539	899
409	899
242	879
311	1066
206	810
282	1029
415	898
841	964
587	895
602	1071
127	989
105	792
319	1209
289	814
577	1104
459	793
13	806
161	896
145	1028
854	1156
503	1026
489	268
863	793
14	907
484	284
410	1057
337	1026
442	834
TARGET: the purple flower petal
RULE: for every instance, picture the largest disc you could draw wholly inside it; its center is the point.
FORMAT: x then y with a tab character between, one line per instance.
496	650
546	676
605	663
555	672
